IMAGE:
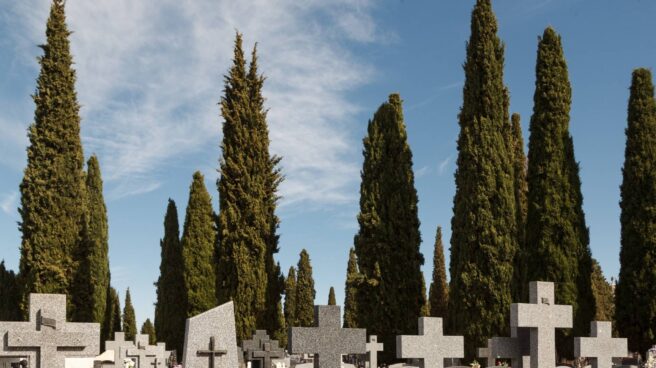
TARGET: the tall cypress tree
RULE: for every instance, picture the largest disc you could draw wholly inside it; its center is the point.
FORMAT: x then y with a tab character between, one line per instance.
439	289
520	284
247	222
149	329
484	231
109	324
331	296
290	298
305	292
198	249
9	295
557	243
635	311
353	278
129	319
52	190
389	230
117	320
603	294
171	297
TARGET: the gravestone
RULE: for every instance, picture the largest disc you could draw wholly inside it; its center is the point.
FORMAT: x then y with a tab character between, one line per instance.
541	316
601	347
211	340
373	347
327	340
262	349
46	340
430	345
120	348
142	356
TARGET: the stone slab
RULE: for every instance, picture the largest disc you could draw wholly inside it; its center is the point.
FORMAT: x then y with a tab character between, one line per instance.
430	345
217	324
601	347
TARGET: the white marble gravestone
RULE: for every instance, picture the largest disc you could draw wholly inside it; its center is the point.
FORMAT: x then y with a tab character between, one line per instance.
211	339
601	347
373	347
430	345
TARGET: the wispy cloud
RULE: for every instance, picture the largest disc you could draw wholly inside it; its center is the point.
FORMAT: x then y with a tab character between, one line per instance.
423	171
9	204
437	92
150	76
444	165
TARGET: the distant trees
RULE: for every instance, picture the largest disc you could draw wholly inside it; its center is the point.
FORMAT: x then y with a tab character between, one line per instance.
305	292
129	318
439	290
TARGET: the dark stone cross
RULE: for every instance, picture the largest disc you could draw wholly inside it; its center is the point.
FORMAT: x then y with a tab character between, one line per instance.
267	353
211	352
141	354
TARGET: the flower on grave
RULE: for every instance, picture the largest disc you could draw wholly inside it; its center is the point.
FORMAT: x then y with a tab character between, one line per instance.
128	363
651	358
475	364
501	363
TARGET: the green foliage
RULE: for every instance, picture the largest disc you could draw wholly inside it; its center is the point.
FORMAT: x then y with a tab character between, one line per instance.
484	229
129	319
290	298
171	296
635	309
439	290
353	278
52	191
331	297
9	295
149	329
305	292
117	319
425	309
109	324
520	164
247	222
281	333
388	237
603	294
557	243
198	250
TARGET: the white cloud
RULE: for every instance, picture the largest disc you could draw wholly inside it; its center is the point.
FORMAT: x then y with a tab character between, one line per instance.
150	74
444	164
423	171
9	204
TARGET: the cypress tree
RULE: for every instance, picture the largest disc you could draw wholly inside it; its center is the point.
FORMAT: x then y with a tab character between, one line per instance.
389	236
129	319
305	292
353	278
556	235
439	290
603	294
9	295
290	298
331	297
635	311
52	191
247	222
171	297
425	309
149	329
198	250
520	284
117	320
484	231
109	324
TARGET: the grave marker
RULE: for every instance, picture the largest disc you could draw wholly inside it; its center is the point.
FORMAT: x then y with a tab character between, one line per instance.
430	345
601	347
373	347
216	327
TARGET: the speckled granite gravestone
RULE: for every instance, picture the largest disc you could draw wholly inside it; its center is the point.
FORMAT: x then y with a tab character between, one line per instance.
430	345
373	347
327	340
129	349
47	339
211	340
601	347
261	348
542	316
120	348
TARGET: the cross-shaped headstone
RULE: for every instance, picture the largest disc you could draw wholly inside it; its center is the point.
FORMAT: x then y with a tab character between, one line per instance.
430	345
542	316
155	362
142	356
256	341
212	352
601	347
373	347
328	340
266	353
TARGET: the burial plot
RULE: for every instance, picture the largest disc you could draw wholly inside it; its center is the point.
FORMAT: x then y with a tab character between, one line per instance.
47	339
601	347
261	349
210	339
373	347
542	316
327	340
430	345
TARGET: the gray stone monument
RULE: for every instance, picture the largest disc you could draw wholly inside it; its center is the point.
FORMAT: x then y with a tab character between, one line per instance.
601	347
120	348
431	346
130	349
327	340
141	355
542	316
46	340
262	349
373	347
211	340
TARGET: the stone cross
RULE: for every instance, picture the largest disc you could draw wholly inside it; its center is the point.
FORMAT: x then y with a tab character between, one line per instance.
142	356
155	362
328	340
601	347
256	341
267	353
218	324
542	316
373	347
212	352
430	345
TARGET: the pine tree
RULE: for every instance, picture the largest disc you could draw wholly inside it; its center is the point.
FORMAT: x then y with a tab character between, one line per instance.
171	297
198	250
389	230
129	319
305	292
109	325
247	198
52	190
353	278
635	310
331	297
290	298
149	329
9	295
439	289
603	294
557	243
484	230
520	164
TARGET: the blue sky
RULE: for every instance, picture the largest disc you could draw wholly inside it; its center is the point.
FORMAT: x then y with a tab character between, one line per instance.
150	76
